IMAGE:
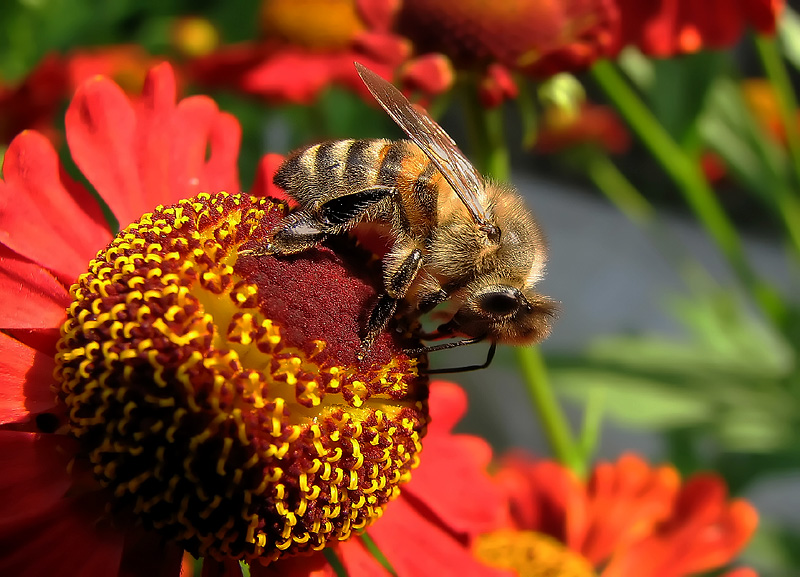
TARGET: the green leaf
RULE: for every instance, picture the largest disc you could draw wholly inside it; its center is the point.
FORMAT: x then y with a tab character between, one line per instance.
789	35
730	129
732	378
679	90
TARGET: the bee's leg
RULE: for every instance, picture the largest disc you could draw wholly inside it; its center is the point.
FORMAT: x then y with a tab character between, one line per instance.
306	228
400	273
453	345
429	301
297	232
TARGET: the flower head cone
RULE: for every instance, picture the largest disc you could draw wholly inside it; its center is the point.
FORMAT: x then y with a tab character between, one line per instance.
627	519
189	398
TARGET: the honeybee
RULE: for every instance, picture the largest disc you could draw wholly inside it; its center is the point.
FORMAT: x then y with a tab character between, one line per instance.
455	238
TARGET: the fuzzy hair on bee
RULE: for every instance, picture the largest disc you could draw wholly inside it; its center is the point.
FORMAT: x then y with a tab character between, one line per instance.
455	240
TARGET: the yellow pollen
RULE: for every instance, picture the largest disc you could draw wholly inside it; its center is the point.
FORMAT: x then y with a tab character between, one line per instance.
530	554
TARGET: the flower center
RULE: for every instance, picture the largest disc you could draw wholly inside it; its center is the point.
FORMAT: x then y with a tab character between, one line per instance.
219	396
314	24
530	555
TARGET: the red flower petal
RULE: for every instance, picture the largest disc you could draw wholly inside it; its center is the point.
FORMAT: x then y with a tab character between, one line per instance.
290	76
452	482
703	532
34	476
173	142
448	403
741	572
263	185
154	152
44	215
763	14
625	500
101	130
497	86
222	168
43	340
673	27
25	374
199	127
151	144
378	14
41	531
358	561
545	497
30	298
312	566
416	546
431	74
148	554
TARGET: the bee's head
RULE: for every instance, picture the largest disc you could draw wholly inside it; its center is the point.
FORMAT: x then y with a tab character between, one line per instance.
503	313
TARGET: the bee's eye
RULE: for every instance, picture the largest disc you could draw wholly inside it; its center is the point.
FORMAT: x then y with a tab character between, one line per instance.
500	302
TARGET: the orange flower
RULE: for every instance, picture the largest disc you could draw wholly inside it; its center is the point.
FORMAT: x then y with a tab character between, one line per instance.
310	45
628	520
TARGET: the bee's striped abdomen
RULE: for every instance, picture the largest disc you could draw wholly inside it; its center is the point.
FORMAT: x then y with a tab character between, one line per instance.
324	171
321	172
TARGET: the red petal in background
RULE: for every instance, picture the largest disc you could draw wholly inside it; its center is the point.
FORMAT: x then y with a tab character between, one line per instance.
263	185
545	497
44	215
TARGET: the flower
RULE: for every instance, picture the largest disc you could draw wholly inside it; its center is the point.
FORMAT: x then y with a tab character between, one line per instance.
449	500
34	102
203	402
669	27
536	37
593	124
309	45
194	36
628	519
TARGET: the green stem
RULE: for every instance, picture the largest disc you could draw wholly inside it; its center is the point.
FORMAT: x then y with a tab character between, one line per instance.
787	102
619	190
551	417
486	128
377	554
335	563
592	423
686	173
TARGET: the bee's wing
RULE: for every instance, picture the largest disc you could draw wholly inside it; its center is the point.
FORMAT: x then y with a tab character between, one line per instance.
433	140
